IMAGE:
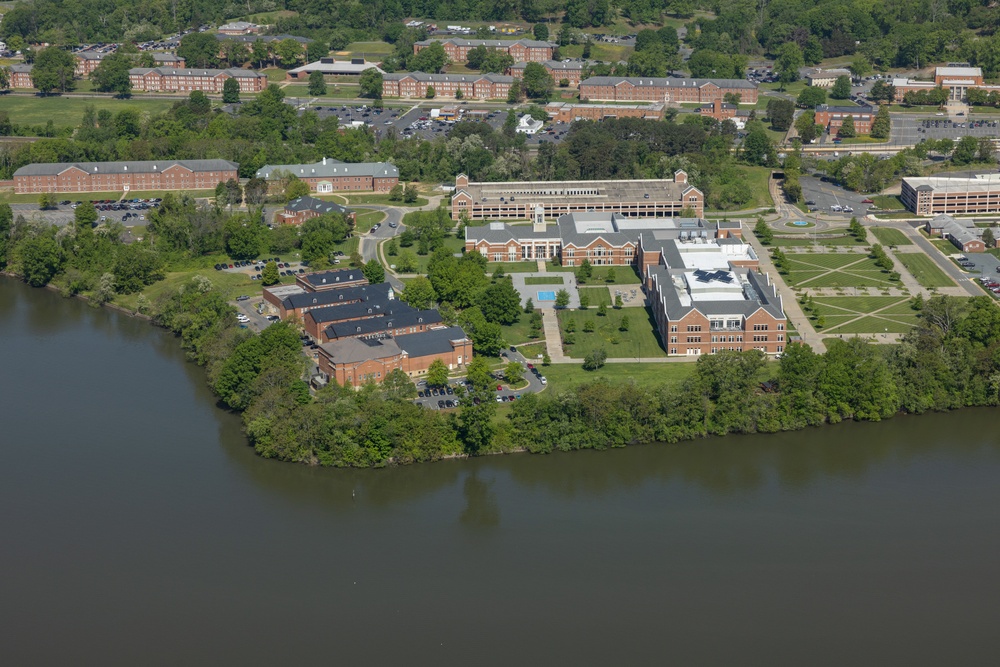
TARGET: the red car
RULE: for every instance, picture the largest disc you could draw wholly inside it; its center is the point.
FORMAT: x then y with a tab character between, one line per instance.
867	201
499	387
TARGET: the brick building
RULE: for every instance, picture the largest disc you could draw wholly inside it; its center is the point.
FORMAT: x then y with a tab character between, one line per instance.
330	175
173	79
962	232
320	281
20	76
301	209
87	61
296	302
571	71
603	239
567	112
404	320
522	50
957	80
707	297
952	194
832	118
355	361
473	86
167	59
520	200
666	90
61	177
721	111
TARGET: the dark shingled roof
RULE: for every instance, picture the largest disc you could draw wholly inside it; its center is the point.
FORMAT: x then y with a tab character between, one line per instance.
312	204
401	316
324	278
132	166
335	296
435	341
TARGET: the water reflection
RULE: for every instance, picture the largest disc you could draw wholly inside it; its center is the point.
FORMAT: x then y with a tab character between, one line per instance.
481	508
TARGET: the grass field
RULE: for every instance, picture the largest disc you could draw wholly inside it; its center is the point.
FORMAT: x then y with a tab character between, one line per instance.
68	111
890	236
365	219
511	267
563	377
519	332
452	243
923	268
639	341
864	314
597	296
807	240
835	271
381	199
598	51
380	48
947	247
624	275
757	178
544	280
888	202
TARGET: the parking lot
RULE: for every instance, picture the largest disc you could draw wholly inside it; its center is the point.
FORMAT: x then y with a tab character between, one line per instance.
911	128
826	195
439	398
253	268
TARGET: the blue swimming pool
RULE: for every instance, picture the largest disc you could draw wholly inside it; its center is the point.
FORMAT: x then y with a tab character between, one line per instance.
546	296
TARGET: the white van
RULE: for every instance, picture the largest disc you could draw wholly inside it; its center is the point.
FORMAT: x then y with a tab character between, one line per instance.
836	207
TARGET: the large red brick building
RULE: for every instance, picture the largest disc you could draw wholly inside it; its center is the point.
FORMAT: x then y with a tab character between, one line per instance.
708	297
20	76
514	200
301	209
522	50
330	175
173	79
473	86
832	118
62	177
958	80
356	361
571	71
952	194
666	90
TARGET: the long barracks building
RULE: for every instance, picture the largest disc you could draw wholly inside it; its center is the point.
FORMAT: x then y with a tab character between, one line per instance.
172	79
330	175
473	86
665	89
522	50
521	200
63	177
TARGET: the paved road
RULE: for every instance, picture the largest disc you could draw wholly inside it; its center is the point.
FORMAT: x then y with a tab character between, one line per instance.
960	277
502	394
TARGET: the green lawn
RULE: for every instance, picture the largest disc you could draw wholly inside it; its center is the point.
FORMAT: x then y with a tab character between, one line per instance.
511	267
452	243
66	111
890	236
562	377
598	51
520	332
624	275
832	270
923	268
807	240
757	178
639	341
372	48
888	202
532	351
544	280
275	74
597	296
380	199
365	219
947	247
863	314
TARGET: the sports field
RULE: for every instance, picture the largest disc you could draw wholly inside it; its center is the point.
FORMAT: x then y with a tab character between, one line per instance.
68	111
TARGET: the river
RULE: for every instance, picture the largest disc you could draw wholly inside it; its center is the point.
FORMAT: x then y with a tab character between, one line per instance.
138	528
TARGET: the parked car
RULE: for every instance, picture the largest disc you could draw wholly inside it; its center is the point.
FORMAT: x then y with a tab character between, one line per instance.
243	297
240	317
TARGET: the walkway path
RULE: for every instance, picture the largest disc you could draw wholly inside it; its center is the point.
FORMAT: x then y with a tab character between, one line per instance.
553	340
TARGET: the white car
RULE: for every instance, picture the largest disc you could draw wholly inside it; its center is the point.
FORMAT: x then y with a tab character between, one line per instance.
240	317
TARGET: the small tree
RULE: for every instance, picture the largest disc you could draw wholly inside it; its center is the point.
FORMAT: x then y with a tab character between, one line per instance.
618	301
514	373
45	201
847	130
584	301
459	94
396	193
85	215
841	88
431	92
529	307
546	360
988	238
763	232
391	248
410	194
595	360
588	326
623	325
231	91
611	276
437	374
562	299
317	83
882	126
269	276
602	310
373	271
586	270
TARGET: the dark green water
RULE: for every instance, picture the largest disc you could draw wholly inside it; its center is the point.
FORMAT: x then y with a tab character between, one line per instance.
137	528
